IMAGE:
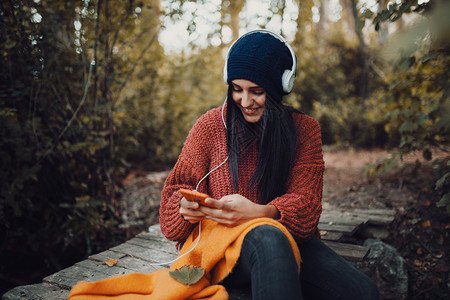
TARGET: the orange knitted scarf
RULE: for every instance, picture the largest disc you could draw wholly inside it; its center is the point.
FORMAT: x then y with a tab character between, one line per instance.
217	252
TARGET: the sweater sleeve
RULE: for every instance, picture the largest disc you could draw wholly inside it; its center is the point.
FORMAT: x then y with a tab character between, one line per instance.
301	206
190	167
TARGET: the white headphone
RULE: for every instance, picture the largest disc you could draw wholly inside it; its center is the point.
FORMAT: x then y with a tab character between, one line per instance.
287	79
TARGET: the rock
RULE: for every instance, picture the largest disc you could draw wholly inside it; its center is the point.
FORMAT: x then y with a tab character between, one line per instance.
387	268
141	197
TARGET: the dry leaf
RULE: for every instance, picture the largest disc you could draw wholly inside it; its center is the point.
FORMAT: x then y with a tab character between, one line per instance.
418	263
323	232
110	262
419	251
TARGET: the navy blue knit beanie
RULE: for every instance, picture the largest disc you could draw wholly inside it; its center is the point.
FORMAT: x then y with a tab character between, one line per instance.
262	58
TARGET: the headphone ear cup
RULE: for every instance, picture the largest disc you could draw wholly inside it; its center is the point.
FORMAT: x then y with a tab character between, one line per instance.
287	80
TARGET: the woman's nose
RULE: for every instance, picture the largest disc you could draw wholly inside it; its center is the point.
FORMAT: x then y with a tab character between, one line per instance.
246	99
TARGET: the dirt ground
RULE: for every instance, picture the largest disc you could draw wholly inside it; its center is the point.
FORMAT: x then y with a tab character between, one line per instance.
420	231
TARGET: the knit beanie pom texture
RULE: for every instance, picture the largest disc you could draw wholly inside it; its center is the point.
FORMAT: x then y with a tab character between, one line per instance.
262	59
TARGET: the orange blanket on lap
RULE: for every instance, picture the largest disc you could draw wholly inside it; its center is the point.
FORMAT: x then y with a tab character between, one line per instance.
217	252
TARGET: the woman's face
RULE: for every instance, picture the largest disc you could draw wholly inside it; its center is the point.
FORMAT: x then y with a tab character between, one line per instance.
250	98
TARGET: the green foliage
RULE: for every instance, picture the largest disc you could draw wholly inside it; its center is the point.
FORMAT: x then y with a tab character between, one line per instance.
86	93
445	202
157	117
352	122
63	66
418	102
329	87
382	167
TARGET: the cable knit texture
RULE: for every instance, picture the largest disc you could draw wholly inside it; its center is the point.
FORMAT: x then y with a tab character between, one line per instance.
206	147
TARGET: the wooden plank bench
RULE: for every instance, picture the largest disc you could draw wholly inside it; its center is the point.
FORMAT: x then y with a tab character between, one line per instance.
138	253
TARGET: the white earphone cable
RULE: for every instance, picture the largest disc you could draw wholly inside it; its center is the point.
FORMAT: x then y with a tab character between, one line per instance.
174	260
198	184
224	124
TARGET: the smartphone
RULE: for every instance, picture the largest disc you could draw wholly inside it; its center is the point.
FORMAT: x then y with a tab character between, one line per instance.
194	196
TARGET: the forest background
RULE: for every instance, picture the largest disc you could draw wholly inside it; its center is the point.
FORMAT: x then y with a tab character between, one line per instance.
88	92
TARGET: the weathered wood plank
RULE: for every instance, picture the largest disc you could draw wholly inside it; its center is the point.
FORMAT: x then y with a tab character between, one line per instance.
345	229
36	291
145	254
160	244
380	220
373	211
331	235
341	220
124	266
126	261
375	217
370	216
104	255
68	277
348	251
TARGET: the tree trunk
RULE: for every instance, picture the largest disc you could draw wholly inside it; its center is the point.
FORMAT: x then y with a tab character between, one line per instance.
383	31
304	19
324	23
364	89
234	9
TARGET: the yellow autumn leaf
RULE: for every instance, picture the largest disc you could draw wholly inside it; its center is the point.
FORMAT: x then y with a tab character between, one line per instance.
110	262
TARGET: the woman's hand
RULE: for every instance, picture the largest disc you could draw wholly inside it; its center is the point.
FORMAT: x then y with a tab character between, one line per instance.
189	210
236	209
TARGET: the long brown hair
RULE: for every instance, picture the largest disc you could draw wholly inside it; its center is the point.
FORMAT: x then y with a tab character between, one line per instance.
276	137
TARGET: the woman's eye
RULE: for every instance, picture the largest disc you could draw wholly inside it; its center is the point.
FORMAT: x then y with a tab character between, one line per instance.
258	92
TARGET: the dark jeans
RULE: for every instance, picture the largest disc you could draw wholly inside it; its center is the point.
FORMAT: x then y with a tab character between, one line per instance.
268	265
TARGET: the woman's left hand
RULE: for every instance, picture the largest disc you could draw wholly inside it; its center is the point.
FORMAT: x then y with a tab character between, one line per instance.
236	209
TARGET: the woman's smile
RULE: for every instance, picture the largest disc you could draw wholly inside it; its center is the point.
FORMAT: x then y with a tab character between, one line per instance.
250	111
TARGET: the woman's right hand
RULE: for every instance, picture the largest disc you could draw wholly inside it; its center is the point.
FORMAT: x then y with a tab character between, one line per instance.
189	211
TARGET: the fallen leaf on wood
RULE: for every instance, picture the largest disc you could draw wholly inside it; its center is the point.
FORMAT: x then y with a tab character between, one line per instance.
323	232
110	262
188	274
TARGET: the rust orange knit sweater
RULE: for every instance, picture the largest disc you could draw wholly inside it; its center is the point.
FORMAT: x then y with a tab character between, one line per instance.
206	147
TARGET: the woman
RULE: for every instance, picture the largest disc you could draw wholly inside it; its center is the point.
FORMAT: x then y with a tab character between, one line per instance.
257	158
